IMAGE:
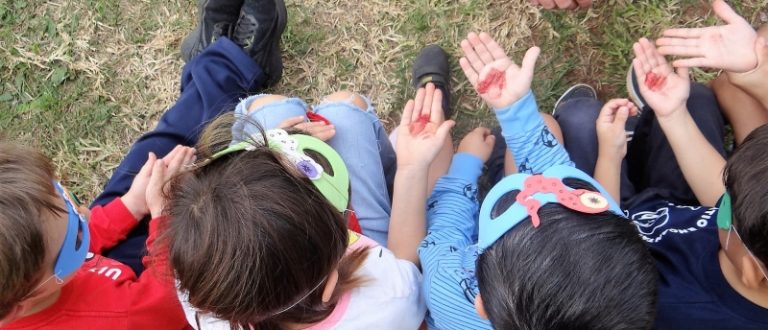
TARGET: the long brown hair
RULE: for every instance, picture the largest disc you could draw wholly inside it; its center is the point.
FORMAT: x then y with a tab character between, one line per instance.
252	241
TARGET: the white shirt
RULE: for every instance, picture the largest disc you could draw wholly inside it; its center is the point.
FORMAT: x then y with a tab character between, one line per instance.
390	298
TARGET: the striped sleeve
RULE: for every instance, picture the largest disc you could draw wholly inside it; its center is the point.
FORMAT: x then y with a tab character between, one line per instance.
448	253
534	147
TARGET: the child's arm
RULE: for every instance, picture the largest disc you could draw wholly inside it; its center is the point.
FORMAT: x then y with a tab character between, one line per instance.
666	92
447	253
420	137
755	82
612	144
506	88
110	224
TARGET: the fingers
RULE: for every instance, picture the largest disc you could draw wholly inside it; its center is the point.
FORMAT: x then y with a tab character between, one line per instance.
444	129
584	3
529	61
437	113
684	33
318	129
679	51
175	164
479	47
695	62
469	71
471	55
146	169
407	113
418	104
621	116
548	4
428	98
761	48
565	4
726	13
291	122
493	47
683	73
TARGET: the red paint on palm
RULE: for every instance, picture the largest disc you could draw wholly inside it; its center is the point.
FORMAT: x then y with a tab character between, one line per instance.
494	78
654	82
418	126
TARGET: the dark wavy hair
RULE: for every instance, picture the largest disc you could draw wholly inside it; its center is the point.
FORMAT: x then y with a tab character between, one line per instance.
575	271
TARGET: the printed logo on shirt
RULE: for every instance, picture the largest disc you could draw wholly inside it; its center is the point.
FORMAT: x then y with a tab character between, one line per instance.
655	225
110	272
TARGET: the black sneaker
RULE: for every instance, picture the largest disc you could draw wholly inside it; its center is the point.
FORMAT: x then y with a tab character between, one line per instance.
258	31
431	65
575	92
217	19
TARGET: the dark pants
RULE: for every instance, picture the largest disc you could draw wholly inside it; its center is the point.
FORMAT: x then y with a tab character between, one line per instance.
211	83
650	168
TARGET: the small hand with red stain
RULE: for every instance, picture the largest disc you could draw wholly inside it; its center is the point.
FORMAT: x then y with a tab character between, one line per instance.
665	90
498	80
423	129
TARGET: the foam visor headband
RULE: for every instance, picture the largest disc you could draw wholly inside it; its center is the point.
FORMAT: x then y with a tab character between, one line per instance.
77	239
302	151
535	191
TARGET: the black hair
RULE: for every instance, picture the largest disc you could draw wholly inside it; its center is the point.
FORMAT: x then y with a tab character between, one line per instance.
746	180
575	271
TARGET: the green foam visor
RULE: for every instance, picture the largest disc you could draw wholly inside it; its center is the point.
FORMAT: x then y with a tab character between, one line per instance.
306	153
724	212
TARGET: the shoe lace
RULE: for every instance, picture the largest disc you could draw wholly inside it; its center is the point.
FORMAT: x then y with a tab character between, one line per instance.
245	30
221	29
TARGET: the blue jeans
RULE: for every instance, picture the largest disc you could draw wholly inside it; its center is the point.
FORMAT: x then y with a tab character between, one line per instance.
211	83
360	140
650	169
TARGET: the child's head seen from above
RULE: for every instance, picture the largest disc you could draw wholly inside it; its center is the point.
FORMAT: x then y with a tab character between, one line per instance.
746	181
577	263
43	239
253	239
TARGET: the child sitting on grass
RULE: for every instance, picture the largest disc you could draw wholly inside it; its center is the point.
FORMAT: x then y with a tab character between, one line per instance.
552	250
52	275
260	239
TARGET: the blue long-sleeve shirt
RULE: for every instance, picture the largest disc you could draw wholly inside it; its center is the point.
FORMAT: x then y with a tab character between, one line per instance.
449	252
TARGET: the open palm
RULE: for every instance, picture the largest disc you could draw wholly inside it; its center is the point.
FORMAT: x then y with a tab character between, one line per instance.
423	129
665	90
499	81
729	47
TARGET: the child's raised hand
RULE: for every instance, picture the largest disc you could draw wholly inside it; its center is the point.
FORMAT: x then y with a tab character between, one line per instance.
317	129
162	171
611	136
479	142
498	80
423	129
135	200
665	90
729	47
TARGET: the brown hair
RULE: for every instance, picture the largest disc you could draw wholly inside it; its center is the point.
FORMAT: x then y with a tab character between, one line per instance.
26	199
746	180
250	237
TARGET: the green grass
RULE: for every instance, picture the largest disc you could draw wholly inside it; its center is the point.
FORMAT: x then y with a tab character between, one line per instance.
82	79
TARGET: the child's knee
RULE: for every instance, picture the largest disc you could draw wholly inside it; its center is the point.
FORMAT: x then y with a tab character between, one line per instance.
347	96
264	100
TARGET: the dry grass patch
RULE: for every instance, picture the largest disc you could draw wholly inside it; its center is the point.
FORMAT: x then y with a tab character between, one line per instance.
82	79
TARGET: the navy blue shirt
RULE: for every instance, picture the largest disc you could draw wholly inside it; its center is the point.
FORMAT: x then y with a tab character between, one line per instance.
693	292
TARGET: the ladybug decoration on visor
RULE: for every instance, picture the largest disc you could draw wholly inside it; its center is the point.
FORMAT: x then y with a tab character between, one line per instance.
535	191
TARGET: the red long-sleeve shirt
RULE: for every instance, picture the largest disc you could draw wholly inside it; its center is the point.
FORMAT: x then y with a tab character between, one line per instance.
105	294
